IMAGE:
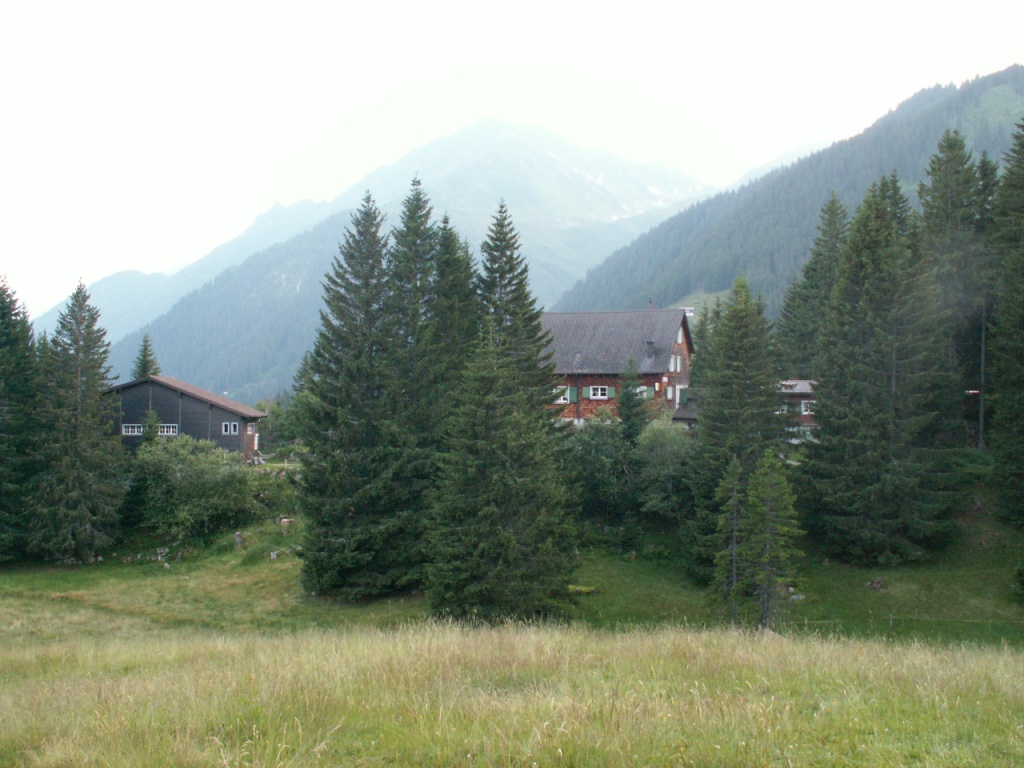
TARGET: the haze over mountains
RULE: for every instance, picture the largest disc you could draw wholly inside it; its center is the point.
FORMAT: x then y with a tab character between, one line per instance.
571	207
239	320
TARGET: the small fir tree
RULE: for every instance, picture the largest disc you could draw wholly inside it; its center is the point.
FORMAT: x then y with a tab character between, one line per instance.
145	362
768	533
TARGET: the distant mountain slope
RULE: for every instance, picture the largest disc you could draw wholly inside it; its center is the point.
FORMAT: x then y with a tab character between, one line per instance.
764	230
128	300
245	331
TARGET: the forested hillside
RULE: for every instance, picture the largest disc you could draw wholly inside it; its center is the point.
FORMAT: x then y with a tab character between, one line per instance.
245	331
129	300
764	230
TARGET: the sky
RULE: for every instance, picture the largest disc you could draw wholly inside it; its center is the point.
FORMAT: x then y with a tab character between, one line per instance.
137	135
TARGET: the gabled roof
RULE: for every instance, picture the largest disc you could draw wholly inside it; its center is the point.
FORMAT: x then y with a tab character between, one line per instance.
797	386
604	342
198	393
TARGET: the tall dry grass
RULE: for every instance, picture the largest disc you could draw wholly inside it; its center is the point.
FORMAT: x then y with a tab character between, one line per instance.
434	694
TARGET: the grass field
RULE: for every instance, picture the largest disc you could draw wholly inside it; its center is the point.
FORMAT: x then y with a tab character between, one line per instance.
219	659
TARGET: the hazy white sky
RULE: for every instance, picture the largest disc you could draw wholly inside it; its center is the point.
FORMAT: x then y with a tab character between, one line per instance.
140	136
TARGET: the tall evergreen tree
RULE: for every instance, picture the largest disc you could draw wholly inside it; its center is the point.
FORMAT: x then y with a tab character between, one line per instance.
412	273
1008	332
18	382
501	538
953	204
739	413
883	393
453	318
506	302
799	328
145	362
360	542
74	498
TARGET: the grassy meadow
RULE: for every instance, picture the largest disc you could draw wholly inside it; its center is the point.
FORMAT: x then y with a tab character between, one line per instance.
217	658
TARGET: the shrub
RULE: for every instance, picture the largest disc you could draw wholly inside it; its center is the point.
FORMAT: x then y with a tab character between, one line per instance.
190	488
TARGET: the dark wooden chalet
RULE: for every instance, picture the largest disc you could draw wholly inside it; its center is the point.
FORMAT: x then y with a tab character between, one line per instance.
592	350
184	409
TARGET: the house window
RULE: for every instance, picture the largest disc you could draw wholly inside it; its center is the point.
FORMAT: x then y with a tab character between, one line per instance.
561	395
250	428
229	428
131	430
599	393
168	430
807	407
669	393
641	392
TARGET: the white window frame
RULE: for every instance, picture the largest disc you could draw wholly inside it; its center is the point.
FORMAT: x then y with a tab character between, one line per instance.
229	428
807	407
561	396
168	430
132	430
642	392
594	395
250	428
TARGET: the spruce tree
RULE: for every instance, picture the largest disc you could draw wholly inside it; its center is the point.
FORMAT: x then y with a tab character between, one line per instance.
501	539
1008	332
360	541
506	302
18	382
739	413
883	393
145	362
731	581
953	204
74	497
453	319
767	533
799	327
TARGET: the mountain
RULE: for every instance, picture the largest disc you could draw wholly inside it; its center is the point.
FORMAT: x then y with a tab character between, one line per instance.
764	230
245	330
130	299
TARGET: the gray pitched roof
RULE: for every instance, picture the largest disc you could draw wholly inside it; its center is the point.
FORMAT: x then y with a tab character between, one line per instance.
604	342
199	393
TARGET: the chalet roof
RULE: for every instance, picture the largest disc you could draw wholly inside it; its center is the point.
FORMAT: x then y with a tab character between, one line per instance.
233	406
604	342
797	386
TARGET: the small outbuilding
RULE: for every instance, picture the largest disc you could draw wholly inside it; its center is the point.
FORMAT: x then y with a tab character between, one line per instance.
184	409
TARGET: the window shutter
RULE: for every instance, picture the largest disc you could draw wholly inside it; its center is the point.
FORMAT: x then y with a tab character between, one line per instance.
586	393
650	393
573	395
611	393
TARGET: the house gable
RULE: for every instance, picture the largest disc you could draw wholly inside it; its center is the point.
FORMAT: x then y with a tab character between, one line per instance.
184	409
592	350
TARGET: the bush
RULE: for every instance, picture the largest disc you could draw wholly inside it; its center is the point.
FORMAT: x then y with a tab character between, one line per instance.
189	488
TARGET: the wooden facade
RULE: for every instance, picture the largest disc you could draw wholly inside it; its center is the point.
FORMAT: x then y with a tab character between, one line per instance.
184	409
592	350
798	405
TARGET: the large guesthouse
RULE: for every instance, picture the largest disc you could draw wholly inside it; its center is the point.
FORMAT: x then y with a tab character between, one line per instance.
183	409
592	350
